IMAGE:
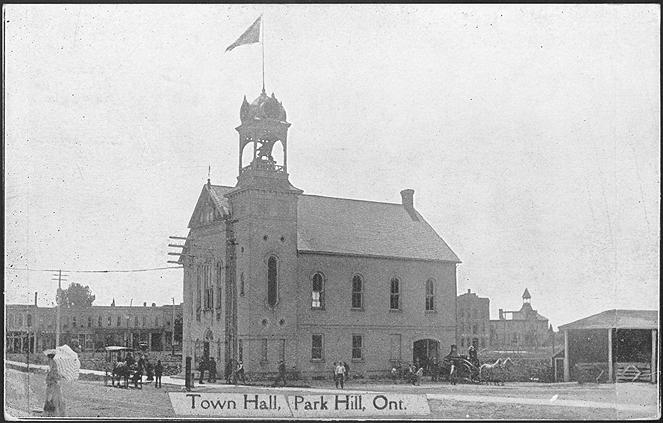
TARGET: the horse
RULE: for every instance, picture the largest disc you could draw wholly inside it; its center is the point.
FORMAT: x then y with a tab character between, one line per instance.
120	371
500	367
489	368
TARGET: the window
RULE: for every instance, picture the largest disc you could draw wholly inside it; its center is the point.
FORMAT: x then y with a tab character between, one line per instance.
219	285
29	320
241	284
135	321
119	321
109	320
89	321
395	297
357	292
316	347
100	321
474	329
73	322
156	321
144	321
207	287
430	295
462	342
240	350
263	351
272	281
317	292
395	346
356	347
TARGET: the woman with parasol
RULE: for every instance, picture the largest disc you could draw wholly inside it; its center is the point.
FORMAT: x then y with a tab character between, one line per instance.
54	405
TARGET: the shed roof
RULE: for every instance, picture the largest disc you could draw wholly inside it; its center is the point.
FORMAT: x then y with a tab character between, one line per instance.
617	319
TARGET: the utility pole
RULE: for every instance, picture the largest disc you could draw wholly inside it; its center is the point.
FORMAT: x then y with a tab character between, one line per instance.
172	325
58	300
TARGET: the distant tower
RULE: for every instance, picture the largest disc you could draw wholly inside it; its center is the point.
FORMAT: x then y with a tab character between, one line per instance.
526	297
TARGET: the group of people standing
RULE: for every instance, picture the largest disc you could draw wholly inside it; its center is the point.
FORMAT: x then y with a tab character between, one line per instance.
234	372
144	366
341	373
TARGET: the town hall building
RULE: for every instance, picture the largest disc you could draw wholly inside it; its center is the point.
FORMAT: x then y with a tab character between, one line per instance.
271	273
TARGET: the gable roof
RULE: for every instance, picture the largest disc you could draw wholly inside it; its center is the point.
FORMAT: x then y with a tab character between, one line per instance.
619	319
215	193
366	228
358	227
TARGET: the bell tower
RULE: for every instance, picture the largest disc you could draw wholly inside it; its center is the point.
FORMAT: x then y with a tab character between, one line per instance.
263	225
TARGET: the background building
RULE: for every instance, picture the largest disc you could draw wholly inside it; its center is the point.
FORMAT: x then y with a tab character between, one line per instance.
90	328
272	274
473	316
524	329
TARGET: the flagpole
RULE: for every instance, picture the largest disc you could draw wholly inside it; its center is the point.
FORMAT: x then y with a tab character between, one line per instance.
262	23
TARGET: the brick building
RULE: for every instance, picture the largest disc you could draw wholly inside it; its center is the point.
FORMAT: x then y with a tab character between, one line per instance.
473	316
524	329
90	327
271	273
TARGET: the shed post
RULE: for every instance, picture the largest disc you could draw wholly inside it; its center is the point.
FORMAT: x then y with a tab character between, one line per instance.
654	361
610	367
567	376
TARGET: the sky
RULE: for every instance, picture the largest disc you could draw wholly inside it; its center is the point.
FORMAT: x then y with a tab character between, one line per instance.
530	135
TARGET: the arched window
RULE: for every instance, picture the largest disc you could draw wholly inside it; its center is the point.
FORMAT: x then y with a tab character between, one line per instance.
395	295
99	321
430	295
357	292
119	321
89	321
318	292
272	281
29	320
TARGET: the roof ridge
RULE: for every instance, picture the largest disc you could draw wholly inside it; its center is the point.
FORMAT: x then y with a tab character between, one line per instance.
352	199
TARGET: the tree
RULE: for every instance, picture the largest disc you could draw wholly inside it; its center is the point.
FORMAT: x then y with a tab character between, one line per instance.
76	295
178	328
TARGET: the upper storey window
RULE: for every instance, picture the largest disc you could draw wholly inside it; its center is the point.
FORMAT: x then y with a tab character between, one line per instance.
395	294
272	281
357	292
318	292
430	295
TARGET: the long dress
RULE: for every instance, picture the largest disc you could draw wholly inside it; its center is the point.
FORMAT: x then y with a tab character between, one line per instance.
54	392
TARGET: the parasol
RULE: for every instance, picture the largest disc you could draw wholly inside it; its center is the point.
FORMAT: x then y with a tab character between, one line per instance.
67	362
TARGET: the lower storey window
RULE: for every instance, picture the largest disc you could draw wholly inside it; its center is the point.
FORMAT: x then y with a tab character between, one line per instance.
316	347
357	344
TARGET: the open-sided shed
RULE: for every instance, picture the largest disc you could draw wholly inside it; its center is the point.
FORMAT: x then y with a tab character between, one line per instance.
615	345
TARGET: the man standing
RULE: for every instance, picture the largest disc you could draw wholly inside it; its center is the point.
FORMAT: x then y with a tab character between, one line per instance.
339	373
346	371
201	368
212	370
240	373
281	375
158	371
229	371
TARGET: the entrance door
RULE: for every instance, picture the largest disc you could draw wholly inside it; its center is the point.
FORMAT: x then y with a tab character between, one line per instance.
423	352
206	350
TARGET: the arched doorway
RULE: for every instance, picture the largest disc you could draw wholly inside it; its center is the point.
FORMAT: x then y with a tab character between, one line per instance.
424	350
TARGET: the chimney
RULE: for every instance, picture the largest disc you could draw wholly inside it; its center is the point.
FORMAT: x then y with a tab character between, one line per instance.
154	304
35	299
144	304
469	290
407	197
501	314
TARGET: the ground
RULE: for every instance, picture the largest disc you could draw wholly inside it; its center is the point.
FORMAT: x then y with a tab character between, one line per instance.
86	398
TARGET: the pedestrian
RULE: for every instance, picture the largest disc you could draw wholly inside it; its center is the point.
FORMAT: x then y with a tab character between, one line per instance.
149	368
158	371
130	360
212	370
229	371
281	376
240	373
346	371
435	370
201	369
54	405
339	373
394	375
418	374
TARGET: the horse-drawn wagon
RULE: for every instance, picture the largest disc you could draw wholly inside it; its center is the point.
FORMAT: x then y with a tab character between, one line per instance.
122	367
